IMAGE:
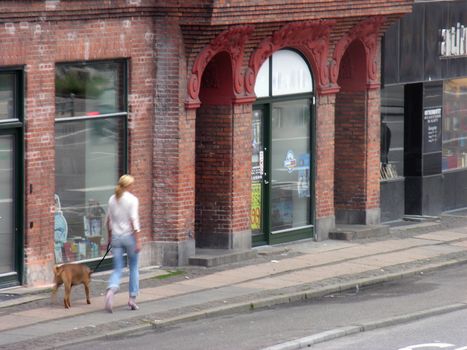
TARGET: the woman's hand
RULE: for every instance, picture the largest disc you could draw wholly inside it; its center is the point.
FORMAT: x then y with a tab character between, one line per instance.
138	243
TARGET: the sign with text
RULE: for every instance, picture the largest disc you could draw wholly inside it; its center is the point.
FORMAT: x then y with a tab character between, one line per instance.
432	130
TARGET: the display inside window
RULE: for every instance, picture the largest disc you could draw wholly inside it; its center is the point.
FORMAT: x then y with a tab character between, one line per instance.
89	158
392	132
90	89
455	124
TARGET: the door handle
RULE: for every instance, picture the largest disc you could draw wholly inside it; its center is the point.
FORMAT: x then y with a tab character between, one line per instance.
266	182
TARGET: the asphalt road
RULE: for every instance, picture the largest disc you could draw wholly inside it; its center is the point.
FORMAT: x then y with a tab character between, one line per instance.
262	328
447	332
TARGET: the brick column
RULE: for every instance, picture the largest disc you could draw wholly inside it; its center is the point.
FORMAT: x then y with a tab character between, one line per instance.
173	153
241	196
223	176
324	182
373	143
40	176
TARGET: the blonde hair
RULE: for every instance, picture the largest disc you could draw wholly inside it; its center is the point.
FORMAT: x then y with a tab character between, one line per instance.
123	183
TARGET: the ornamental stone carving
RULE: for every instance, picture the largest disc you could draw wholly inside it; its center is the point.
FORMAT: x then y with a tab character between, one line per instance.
231	41
367	32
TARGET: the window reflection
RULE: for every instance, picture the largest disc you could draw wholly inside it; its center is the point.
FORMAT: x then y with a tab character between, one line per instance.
392	132
7	95
290	185
7	248
88	90
455	124
88	162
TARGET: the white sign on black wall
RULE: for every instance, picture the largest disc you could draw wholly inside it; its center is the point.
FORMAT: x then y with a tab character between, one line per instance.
432	130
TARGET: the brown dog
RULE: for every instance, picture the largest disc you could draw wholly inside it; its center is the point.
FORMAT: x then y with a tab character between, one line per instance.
71	275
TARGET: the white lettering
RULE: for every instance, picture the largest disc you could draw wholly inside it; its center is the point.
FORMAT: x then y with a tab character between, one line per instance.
453	41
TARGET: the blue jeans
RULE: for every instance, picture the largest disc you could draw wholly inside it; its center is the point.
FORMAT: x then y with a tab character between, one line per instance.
119	246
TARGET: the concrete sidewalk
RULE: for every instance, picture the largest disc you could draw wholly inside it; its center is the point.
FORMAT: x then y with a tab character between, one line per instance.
280	274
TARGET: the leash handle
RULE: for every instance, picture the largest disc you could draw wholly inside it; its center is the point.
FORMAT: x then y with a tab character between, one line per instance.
109	246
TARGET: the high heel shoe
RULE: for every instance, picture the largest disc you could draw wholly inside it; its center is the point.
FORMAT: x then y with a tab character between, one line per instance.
109	300
132	305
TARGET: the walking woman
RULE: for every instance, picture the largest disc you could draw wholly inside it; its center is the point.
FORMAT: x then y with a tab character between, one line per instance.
124	230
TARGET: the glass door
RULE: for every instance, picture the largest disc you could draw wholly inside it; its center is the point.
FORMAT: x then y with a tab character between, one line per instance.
290	165
281	191
9	210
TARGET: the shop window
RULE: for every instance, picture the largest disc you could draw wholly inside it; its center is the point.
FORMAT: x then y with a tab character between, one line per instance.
90	146
455	124
392	132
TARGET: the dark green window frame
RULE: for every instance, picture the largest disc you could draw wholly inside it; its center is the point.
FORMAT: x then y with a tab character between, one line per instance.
123	114
15	126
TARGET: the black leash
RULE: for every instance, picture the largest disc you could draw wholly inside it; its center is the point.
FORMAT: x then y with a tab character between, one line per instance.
109	246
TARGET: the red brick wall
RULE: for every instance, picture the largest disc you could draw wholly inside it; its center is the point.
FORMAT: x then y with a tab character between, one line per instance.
174	135
38	45
350	157
324	164
213	175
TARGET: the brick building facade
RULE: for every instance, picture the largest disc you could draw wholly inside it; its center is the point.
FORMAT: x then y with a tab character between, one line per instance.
187	82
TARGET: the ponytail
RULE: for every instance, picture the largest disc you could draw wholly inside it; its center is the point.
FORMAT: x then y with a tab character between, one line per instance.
123	183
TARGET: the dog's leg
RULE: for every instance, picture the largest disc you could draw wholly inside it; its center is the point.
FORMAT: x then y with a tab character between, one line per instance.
86	289
54	293
66	300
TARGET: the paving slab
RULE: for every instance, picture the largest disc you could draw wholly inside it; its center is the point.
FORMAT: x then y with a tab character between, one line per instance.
443	236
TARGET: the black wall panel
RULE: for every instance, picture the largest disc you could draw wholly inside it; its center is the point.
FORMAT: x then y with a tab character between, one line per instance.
436	15
411	46
391	57
416	39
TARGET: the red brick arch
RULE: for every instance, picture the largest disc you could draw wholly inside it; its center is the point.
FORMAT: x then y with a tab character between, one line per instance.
231	41
311	38
367	33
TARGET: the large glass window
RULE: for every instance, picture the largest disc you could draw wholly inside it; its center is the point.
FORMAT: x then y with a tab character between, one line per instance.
392	132
455	124
7	206
90	154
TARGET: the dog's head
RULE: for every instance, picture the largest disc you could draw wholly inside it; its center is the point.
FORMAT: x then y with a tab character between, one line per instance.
57	270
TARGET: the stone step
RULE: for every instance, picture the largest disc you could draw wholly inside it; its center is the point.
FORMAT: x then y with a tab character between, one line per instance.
351	232
216	257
